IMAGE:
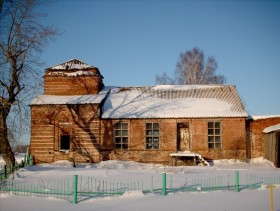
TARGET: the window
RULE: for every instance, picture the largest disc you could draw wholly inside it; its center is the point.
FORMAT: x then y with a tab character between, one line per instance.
152	135
121	136
65	142
214	135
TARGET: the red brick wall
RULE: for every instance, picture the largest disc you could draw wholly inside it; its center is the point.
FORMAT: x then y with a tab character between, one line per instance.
257	135
93	139
65	85
233	139
137	141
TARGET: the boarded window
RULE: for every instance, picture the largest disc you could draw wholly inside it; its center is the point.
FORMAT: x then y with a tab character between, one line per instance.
121	136
214	135
152	135
65	142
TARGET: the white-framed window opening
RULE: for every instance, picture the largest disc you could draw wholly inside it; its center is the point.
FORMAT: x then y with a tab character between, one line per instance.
121	136
152	135
214	135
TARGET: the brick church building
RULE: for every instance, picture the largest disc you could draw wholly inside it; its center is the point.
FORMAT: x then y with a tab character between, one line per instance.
80	119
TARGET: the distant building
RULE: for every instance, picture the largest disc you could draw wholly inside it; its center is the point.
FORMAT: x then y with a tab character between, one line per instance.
81	120
264	137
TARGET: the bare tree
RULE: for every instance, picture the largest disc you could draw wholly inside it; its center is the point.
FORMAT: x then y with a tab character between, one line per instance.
164	79
1	4
22	39
192	69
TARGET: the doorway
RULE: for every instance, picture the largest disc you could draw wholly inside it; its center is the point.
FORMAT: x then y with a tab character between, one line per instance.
183	137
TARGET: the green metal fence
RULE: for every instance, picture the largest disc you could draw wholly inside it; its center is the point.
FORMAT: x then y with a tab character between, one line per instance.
251	181
6	172
80	188
209	184
61	190
89	187
252	178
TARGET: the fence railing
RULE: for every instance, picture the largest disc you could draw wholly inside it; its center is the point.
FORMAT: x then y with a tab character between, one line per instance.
82	188
6	172
252	178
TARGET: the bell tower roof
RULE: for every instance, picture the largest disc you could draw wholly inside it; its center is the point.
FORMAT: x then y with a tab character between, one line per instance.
74	64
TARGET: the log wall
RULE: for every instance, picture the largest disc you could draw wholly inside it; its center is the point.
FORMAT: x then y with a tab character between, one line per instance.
81	122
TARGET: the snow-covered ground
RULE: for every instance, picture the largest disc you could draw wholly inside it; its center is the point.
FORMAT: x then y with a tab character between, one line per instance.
149	174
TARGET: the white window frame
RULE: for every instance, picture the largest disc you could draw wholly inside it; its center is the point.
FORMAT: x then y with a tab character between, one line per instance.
214	134
121	136
152	136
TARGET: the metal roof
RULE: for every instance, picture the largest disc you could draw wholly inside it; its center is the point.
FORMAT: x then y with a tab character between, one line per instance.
163	101
174	101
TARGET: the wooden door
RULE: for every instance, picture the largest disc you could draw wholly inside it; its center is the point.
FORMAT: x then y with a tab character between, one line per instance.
183	137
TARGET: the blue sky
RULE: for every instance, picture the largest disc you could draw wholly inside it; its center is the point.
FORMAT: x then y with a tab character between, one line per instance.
132	41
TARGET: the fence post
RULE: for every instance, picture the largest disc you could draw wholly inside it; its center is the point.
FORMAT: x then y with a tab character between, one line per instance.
237	181
75	186
271	197
29	160
24	160
5	171
164	184
11	169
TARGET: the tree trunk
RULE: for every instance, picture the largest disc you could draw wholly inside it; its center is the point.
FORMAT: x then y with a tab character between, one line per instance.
5	146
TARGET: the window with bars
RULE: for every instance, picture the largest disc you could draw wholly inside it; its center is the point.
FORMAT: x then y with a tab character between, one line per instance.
214	135
152	135
121	136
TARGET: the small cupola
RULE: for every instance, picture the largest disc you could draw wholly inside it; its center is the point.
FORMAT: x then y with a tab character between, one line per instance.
73	77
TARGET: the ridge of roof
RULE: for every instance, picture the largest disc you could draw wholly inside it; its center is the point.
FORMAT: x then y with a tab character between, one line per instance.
178	87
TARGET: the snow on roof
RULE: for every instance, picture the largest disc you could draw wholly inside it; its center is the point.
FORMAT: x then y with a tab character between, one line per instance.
258	117
76	73
272	128
73	68
174	101
74	64
70	99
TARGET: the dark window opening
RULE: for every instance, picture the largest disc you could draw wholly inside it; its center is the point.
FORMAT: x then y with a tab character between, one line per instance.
65	142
